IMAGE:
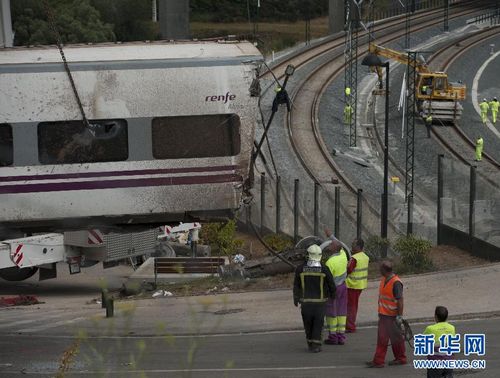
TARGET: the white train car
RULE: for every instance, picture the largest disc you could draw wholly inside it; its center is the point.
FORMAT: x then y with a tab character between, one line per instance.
171	136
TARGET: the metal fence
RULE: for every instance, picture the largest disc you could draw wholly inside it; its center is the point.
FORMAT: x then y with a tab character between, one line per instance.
493	18
399	8
468	209
303	208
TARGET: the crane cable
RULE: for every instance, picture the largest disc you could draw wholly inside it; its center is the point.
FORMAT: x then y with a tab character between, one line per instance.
52	24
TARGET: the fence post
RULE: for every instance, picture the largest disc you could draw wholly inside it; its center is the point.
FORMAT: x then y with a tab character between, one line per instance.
472	199
278	204
316	209
296	211
262	200
110	308
439	199
359	213
104	297
337	212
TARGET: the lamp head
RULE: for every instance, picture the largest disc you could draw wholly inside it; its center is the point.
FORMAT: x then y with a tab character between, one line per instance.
290	69
372	60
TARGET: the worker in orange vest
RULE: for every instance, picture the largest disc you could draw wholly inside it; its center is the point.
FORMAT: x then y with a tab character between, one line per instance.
390	312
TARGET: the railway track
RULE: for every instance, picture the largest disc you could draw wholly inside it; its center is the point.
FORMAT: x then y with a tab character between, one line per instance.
453	138
303	57
302	123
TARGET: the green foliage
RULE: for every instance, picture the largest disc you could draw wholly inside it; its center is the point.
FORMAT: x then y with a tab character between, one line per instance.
270	10
414	253
375	247
131	19
76	20
221	237
81	21
278	242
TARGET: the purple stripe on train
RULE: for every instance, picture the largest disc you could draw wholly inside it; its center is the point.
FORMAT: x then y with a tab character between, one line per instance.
59	176
113	184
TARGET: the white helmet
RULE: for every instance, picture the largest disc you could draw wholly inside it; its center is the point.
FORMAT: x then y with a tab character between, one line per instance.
314	253
484	99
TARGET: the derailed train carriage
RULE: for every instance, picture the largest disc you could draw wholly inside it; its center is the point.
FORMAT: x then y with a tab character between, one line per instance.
170	134
173	130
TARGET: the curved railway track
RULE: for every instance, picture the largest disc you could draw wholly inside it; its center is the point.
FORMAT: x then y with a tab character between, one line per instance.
302	123
325	46
454	139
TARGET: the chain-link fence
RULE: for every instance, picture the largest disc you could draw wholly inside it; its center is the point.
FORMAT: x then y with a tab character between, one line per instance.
468	209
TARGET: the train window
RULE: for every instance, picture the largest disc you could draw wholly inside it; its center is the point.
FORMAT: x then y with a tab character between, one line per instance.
71	142
196	136
6	145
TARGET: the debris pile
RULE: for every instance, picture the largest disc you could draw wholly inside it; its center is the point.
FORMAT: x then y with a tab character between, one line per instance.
20	300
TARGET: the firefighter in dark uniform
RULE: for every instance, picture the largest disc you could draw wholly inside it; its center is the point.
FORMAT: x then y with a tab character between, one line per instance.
312	287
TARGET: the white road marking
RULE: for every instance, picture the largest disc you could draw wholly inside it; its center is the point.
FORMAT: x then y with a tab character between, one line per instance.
240	334
222	370
475	85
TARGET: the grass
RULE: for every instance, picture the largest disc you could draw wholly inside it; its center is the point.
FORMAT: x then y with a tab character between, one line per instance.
272	36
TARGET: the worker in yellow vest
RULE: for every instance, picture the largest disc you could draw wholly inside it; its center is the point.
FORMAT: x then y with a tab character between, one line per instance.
390	312
484	110
442	327
428	123
479	148
336	310
357	281
494	104
348	112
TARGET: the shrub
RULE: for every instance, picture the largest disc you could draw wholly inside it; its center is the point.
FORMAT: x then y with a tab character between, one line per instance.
375	247
221	237
278	242
414	253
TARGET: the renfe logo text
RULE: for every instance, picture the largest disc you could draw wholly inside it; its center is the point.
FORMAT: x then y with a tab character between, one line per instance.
221	98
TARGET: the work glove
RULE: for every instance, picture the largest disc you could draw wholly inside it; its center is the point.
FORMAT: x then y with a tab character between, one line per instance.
296	303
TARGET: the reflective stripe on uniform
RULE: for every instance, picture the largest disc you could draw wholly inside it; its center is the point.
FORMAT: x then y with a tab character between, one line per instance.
321	284
389	307
340	279
302	300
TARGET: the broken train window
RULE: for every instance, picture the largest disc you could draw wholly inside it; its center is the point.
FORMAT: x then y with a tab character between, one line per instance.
72	142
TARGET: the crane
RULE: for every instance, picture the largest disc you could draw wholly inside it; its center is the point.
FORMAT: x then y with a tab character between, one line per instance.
434	93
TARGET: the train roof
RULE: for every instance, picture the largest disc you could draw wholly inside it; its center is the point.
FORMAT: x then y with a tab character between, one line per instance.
108	52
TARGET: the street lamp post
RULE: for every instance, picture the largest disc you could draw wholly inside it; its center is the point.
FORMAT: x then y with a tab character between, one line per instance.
372	60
